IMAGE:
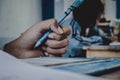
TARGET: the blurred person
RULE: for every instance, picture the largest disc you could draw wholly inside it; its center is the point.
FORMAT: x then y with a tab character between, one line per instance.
83	25
116	37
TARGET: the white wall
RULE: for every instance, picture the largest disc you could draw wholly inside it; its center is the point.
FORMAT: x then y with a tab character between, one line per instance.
67	3
59	8
110	9
17	15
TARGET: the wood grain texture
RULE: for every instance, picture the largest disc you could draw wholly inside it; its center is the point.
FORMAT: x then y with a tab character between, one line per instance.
102	51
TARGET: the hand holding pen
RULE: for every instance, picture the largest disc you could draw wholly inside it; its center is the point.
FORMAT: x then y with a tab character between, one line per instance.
55	44
75	4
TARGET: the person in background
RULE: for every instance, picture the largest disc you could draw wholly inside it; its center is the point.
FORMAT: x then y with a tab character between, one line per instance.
116	38
23	47
83	25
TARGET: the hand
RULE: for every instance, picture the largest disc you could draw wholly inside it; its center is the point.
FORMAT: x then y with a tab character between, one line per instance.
23	47
114	38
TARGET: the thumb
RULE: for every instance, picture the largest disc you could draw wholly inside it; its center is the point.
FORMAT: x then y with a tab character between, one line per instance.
50	24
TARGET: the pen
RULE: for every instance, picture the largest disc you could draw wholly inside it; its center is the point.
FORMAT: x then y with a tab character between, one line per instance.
75	4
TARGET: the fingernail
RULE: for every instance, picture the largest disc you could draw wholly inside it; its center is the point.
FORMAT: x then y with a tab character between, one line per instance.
60	30
51	36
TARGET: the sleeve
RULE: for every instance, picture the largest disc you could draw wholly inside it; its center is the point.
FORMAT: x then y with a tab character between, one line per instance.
93	40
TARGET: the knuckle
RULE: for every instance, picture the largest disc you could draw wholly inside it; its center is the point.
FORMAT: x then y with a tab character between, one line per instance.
64	50
57	51
53	21
66	41
48	50
59	37
67	30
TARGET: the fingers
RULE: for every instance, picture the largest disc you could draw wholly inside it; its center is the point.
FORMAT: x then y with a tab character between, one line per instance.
56	51
57	44
55	36
60	36
55	47
52	51
66	30
59	29
50	24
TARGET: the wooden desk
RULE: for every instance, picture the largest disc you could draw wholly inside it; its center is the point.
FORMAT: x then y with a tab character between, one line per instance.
90	66
102	51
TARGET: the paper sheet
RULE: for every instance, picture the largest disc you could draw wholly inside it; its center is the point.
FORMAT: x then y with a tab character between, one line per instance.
14	69
115	43
52	61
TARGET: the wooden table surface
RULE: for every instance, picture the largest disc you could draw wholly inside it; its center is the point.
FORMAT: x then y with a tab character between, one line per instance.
102	51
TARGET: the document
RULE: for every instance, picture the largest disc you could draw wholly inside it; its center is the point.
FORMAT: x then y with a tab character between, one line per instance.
14	69
115	43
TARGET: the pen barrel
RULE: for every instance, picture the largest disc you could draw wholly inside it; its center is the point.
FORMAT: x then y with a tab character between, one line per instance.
66	13
43	38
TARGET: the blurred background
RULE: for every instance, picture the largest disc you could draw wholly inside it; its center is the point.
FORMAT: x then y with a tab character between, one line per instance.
18	15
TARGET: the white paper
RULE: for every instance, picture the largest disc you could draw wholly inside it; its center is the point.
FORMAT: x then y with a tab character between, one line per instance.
115	43
51	61
14	69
